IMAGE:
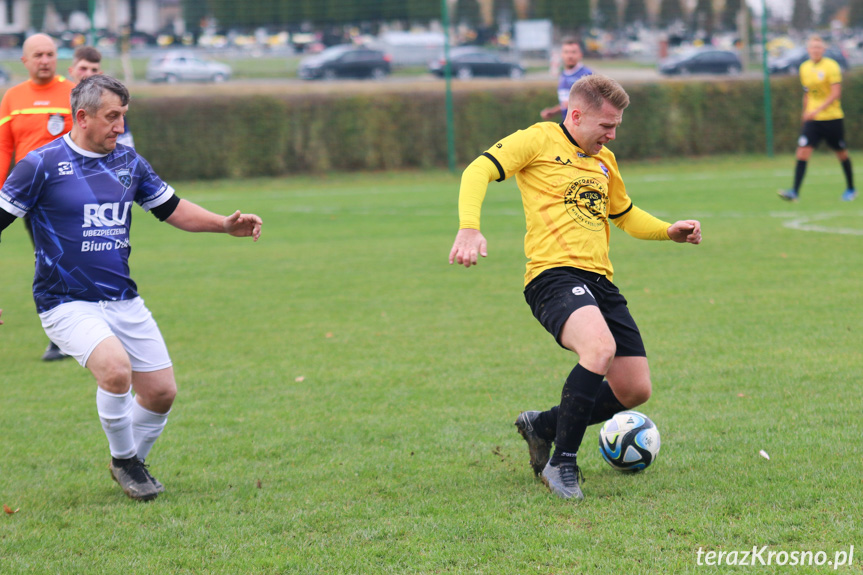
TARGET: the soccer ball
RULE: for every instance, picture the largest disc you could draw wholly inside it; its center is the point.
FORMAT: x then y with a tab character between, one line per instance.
629	441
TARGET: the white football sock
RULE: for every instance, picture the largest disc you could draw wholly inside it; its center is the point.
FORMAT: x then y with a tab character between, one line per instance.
146	427
115	413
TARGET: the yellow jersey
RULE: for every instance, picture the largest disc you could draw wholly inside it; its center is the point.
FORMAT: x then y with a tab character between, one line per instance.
817	80
568	196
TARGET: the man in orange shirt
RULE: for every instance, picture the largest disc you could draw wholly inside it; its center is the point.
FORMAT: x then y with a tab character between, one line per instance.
34	113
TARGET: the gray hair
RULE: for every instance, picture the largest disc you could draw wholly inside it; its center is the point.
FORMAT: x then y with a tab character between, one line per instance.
87	95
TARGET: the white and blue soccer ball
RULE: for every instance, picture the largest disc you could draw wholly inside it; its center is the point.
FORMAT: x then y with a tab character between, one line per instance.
629	441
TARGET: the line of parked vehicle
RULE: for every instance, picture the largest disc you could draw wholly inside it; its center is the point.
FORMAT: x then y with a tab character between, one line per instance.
712	61
351	61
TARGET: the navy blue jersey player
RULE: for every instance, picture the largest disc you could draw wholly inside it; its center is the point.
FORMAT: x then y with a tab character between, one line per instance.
83	257
79	192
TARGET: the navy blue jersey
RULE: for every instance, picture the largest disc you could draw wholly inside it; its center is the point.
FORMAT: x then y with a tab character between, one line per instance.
564	85
80	207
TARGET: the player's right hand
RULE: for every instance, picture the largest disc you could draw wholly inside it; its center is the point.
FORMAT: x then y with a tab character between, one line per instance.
469	244
1	313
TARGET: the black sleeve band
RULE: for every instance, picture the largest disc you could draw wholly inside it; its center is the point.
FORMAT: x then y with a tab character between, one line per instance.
497	165
5	219
615	216
164	211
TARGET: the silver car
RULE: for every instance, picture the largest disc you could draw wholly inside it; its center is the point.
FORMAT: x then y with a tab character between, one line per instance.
185	67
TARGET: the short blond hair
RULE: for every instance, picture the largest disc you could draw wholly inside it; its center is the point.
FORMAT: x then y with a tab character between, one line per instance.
595	89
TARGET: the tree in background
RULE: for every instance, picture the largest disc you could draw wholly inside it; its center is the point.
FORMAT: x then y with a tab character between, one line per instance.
605	15
728	19
37	13
423	11
635	11
504	9
703	16
830	9
569	16
670	11
855	13
63	7
467	12
802	17
194	13
293	12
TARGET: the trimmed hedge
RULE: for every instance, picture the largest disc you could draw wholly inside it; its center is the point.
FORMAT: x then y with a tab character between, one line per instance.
234	136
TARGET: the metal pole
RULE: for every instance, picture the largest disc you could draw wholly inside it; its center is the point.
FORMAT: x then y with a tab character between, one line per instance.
91	5
450	129
768	103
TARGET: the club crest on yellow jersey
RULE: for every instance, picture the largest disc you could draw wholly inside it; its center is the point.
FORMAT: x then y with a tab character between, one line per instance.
586	202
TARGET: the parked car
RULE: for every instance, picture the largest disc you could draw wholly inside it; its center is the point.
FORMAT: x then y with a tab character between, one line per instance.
789	62
346	61
706	61
468	62
186	67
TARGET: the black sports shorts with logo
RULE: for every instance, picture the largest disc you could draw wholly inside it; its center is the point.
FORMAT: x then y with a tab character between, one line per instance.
557	292
831	131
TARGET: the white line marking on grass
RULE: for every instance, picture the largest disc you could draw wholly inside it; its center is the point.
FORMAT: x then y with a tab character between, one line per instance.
805	223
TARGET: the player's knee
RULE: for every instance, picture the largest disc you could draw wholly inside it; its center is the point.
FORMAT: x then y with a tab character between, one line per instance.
116	377
598	356
159	398
168	394
636	394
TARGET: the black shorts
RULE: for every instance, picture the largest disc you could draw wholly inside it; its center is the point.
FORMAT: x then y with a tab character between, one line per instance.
555	293
831	131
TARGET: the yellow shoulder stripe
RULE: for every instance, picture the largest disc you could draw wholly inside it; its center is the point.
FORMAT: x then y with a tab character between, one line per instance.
34	111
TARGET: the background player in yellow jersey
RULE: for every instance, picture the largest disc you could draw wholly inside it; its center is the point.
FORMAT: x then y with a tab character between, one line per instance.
822	117
571	187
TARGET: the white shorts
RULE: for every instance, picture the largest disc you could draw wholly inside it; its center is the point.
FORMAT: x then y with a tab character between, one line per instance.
77	327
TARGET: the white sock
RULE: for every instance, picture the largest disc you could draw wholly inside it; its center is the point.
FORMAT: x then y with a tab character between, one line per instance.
115	413
147	426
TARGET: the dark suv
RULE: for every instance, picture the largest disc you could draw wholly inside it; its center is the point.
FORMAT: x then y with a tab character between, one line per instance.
346	61
789	62
702	61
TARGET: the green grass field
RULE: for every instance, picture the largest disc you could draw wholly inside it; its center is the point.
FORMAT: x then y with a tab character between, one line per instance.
347	398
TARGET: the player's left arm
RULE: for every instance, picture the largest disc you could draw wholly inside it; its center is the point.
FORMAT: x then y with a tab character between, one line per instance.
191	217
640	224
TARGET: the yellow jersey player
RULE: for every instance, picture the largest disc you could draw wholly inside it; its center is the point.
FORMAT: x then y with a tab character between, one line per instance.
822	117
571	188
